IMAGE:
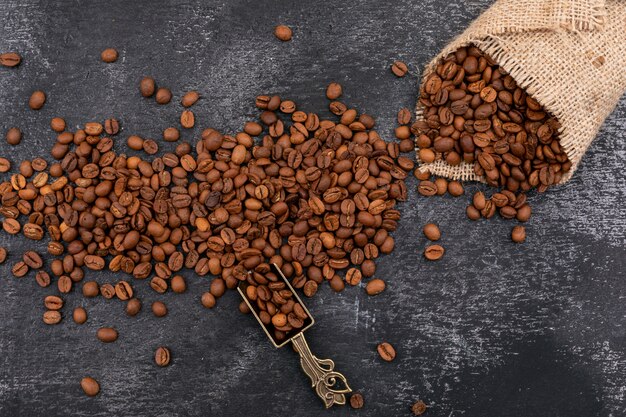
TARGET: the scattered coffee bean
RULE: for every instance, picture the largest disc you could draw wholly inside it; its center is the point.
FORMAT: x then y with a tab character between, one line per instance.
37	100
111	127
432	232
14	136
52	302
418	408
3	254
283	33
159	309
162	356
399	68
187	119
133	307
434	252
109	55
356	401
334	91
375	286
10	59
455	188
147	86
404	116
19	269
90	386
208	300
57	124
518	234
190	98
52	317
79	315
386	351
5	165
107	334
163	95
32	259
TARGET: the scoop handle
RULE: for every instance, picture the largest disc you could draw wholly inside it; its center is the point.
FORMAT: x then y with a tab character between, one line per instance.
323	376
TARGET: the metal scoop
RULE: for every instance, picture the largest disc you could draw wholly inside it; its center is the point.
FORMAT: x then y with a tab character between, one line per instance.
324	379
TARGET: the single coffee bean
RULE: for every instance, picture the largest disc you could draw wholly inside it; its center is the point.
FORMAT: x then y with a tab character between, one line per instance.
42	278
208	300
52	302
187	119
147	86
386	351
162	356
52	317
109	55
418	408
356	401
190	98
404	116
159	309
133	307
283	33
19	269
107	291
123	290
14	136
518	234
353	276
455	188
57	124
432	232
375	286
427	188
37	100
479	200
150	147
64	284
111	126
434	252
32	259
334	91
91	289
3	254
90	386
5	165
163	95
178	284
10	59
79	315
399	69
107	334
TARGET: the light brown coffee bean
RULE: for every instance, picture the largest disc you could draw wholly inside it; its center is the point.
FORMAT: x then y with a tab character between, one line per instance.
10	59
386	351
432	232
159	309
107	334
518	234
283	33
109	55
37	100
375	286
79	315
162	356
434	252
90	386
190	98
399	69
52	317
147	86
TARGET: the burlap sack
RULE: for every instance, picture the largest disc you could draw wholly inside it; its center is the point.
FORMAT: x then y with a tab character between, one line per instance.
570	55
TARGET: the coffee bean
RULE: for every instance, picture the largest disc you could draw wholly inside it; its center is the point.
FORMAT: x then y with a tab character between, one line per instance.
333	91
107	291
208	300
190	98
386	351
178	284
123	290
162	356
52	302
107	334
187	119
52	317
19	269
283	33
94	262
356	401
42	278
37	100
399	69
404	116
455	188
32	259
109	55
90	386
133	307
375	286
434	252
159	309
147	86
3	254
518	234
10	59
14	136
353	276
79	315
111	126
427	188
432	232
5	165
163	95
418	408
150	147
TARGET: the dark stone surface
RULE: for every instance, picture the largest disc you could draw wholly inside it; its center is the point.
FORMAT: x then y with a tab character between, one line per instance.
493	329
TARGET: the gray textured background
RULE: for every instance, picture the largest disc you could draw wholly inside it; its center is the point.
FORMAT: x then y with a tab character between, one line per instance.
493	329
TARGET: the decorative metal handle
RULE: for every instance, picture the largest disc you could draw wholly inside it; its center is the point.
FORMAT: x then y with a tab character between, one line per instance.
322	374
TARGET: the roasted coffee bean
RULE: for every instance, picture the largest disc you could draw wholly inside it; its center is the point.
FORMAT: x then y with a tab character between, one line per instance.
353	276
133	307
19	269
91	289
107	291
123	290
111	126
434	252
386	351
10	59
375	286
418	408
107	334
13	136
147	87
427	188
208	300
190	98
79	315
333	91
37	100
42	278
5	165
283	33
455	188
90	386
52	317
187	119
159	309
163	95
52	302
3	255
109	55
356	401
399	69
178	284
518	234
432	232
162	356
32	259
